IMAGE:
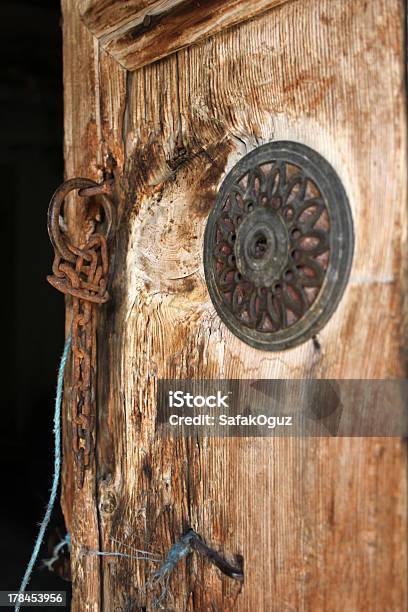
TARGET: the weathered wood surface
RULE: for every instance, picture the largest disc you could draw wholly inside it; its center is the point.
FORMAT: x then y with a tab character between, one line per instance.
92	129
142	31
321	523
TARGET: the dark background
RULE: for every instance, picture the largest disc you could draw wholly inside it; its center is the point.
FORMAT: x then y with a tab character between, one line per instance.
32	322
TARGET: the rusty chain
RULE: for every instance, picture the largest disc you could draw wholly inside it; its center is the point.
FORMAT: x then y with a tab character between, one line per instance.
81	271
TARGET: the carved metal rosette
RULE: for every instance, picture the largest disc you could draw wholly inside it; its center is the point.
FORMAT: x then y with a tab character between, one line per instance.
278	246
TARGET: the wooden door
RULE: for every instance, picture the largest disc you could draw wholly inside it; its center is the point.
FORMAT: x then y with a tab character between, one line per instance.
174	93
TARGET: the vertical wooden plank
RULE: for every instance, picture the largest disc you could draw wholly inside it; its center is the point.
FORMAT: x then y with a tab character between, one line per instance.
320	523
80	152
94	88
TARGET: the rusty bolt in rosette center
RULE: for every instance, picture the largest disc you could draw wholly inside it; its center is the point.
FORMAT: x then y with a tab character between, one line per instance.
278	246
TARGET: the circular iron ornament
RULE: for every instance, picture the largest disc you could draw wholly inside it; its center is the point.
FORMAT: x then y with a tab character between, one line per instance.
278	246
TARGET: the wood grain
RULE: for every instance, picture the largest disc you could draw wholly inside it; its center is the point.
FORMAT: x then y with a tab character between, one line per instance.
79	507
92	132
321	523
142	31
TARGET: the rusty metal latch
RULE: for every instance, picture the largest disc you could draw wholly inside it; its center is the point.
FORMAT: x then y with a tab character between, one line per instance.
81	271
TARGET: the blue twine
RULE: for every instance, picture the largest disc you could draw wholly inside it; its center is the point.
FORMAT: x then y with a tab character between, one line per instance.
57	469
